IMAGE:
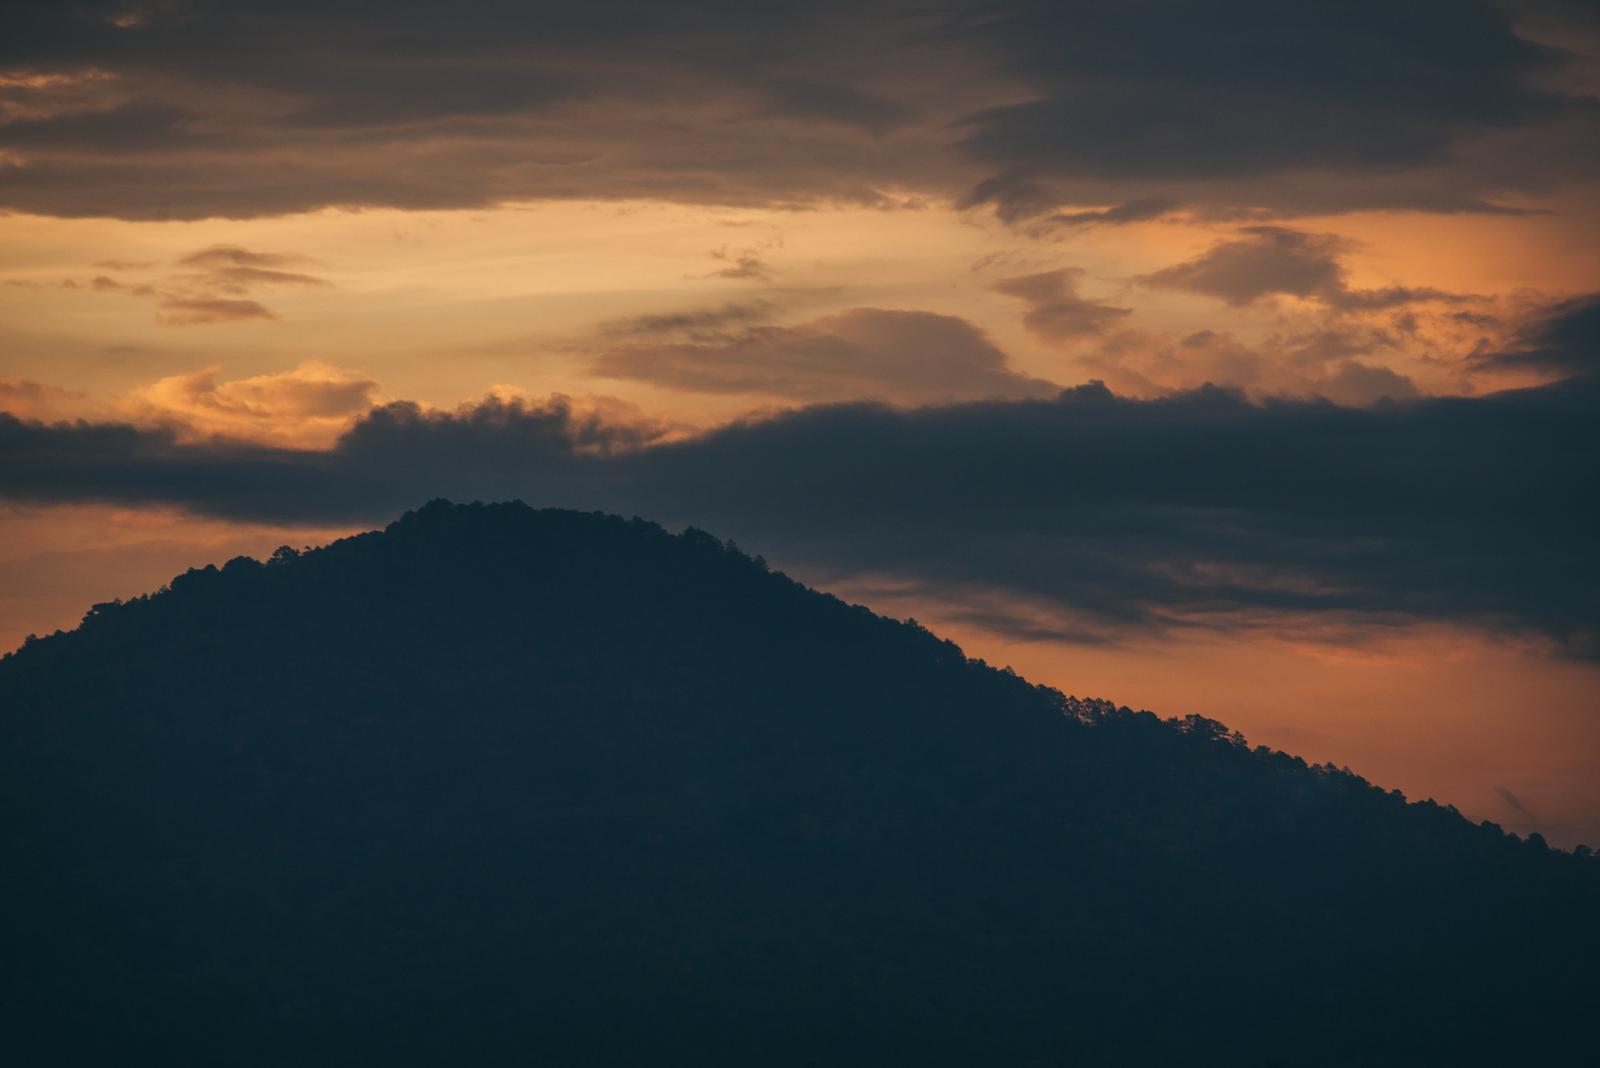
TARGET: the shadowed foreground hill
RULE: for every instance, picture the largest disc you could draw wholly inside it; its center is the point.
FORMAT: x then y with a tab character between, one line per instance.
502	786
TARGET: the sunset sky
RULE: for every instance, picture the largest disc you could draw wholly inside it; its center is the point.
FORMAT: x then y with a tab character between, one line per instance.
1226	358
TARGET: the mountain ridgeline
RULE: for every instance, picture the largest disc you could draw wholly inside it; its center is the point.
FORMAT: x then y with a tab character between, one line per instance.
505	786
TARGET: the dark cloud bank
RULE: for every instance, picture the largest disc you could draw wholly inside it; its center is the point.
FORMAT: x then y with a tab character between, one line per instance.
1565	340
1360	99
185	108
1202	507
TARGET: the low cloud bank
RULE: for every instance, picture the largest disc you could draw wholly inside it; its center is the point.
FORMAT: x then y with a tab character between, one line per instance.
1200	508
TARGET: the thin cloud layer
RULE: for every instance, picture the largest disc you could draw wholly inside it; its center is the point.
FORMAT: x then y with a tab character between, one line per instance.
744	265
180	312
233	256
211	285
718	323
909	357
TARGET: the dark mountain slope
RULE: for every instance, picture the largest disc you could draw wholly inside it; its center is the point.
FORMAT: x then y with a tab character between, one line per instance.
501	786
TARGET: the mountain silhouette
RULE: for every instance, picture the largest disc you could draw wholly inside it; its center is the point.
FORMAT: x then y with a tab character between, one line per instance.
505	786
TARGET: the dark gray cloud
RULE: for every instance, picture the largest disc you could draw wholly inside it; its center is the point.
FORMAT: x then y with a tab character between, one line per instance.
797	98
911	357
1202	508
1316	74
1055	311
185	108
241	109
1151	99
1513	802
1274	261
1564	339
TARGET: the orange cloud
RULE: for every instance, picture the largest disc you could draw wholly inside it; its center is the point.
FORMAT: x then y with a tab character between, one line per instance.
34	400
308	405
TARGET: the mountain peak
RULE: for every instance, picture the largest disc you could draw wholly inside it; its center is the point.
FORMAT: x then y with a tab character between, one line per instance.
503	783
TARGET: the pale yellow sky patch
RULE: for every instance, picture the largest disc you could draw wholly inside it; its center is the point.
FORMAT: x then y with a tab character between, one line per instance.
438	306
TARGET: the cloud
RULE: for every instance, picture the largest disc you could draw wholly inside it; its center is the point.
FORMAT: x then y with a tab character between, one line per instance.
234	256
698	324
799	98
705	103
1333	361
1368	104
1128	212
910	357
746	264
310	403
1273	261
1513	802
1268	261
1228	109
236	270
183	312
1563	338
240	278
1358	384
34	400
1055	311
1201	509
214	292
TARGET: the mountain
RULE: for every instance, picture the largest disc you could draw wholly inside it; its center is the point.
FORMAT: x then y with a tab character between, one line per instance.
505	786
